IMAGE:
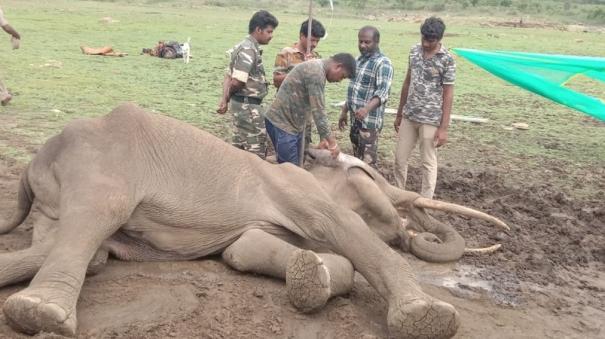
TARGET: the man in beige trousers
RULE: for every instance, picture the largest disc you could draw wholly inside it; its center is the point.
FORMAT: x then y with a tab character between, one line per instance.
5	96
424	109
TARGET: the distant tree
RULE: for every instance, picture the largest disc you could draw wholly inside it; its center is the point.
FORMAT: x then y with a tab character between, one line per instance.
474	2
506	3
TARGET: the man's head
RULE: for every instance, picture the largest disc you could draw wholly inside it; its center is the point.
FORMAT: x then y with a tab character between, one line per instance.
317	32
432	32
340	66
261	26
368	38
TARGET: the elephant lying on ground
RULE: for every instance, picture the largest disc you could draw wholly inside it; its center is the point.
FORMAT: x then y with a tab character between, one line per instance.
148	187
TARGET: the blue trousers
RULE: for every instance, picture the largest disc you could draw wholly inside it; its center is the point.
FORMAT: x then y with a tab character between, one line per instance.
287	146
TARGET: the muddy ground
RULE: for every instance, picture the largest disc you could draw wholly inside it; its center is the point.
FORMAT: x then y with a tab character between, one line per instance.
547	280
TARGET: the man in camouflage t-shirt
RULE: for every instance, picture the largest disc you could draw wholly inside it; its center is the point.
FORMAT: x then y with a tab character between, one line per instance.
5	96
245	85
291	56
424	110
301	96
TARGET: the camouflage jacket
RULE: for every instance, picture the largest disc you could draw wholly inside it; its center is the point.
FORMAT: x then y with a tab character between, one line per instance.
289	57
301	93
425	96
247	66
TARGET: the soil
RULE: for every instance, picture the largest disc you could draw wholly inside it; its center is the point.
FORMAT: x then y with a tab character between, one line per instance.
547	280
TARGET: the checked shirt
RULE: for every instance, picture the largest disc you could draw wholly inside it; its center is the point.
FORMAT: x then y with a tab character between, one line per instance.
373	79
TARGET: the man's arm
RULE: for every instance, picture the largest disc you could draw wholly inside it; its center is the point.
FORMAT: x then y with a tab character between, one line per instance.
237	78
448	98
230	86
317	103
403	99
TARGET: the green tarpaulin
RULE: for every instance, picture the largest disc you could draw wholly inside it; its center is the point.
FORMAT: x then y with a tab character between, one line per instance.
544	74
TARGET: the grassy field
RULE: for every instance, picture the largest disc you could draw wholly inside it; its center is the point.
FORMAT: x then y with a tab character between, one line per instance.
55	83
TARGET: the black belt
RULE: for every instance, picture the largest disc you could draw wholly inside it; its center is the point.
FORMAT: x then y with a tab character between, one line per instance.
247	100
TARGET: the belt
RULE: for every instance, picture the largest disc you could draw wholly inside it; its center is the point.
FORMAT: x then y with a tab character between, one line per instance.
247	100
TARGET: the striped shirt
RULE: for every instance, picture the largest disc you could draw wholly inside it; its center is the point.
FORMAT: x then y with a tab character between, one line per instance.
373	79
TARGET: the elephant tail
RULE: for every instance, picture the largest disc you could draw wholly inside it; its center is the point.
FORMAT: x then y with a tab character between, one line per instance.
25	199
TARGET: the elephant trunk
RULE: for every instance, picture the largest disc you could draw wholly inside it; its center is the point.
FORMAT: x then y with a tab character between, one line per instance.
25	198
438	242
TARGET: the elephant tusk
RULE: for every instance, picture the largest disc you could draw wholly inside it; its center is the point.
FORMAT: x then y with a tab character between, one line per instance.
448	207
483	250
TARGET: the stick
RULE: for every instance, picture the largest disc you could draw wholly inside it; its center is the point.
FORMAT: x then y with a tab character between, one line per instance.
301	155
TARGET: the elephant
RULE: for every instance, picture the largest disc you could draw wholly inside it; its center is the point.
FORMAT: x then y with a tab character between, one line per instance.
147	187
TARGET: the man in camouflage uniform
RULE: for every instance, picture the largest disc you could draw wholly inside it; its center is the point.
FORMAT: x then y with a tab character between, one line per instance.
301	96
245	85
291	56
5	96
426	102
367	96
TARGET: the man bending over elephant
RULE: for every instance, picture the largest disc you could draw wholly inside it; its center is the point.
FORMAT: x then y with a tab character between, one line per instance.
300	96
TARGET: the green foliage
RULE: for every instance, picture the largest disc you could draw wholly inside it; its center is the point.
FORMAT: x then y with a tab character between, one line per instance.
506	3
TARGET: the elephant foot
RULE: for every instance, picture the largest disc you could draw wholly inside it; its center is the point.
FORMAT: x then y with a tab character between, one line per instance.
422	318
307	281
30	314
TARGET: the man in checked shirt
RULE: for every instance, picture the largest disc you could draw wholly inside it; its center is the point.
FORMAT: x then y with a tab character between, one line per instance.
367	96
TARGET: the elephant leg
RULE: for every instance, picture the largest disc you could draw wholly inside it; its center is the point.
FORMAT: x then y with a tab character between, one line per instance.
88	216
22	265
311	278
411	312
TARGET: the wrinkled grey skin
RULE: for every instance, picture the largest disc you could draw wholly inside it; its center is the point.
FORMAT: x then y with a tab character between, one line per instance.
148	187
356	185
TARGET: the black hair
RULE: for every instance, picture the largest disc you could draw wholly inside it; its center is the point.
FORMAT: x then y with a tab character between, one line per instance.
432	28
262	19
317	29
374	30
347	61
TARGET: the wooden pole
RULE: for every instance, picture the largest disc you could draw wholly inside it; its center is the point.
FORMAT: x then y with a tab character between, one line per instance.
304	132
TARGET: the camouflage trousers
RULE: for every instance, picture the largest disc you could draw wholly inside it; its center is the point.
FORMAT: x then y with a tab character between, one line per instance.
365	143
249	131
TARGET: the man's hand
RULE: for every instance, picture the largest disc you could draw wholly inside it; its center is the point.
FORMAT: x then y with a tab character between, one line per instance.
222	107
397	123
440	137
361	113
330	145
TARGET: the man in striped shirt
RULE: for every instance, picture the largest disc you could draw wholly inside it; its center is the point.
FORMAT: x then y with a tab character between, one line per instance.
367	96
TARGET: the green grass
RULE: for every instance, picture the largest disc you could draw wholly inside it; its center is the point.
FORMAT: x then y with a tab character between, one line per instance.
56	83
